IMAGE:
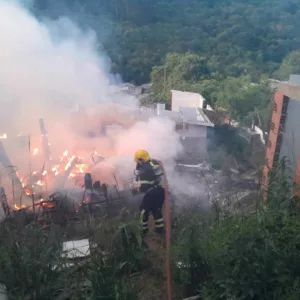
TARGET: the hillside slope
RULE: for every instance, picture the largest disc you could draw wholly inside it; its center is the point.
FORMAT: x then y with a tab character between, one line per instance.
234	35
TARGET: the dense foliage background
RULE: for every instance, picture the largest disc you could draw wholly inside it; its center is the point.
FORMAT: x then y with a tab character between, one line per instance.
232	36
218	48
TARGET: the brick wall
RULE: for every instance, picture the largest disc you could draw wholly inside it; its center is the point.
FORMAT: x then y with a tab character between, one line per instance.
273	146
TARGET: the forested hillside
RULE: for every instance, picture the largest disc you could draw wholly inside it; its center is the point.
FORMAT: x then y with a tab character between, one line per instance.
233	35
213	41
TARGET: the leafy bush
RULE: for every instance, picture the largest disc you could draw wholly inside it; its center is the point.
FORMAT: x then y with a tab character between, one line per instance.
27	263
253	255
106	282
130	249
228	137
190	267
31	266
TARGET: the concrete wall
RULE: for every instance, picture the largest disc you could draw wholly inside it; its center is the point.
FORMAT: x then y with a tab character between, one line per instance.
185	99
194	131
194	138
195	141
292	91
290	143
160	108
291	139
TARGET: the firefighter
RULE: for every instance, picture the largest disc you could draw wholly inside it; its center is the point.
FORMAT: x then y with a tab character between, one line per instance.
149	176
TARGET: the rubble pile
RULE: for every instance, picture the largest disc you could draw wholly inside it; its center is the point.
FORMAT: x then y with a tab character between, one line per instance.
60	189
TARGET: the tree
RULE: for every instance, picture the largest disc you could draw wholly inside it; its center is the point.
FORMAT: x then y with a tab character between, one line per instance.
240	97
180	71
290	65
233	36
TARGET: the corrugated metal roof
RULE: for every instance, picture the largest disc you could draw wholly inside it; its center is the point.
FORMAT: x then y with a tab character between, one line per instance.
216	117
174	115
194	116
188	113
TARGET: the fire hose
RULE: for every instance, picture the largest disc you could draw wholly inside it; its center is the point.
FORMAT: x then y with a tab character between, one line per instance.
167	215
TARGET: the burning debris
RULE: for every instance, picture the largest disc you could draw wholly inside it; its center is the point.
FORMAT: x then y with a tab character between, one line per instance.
94	194
43	188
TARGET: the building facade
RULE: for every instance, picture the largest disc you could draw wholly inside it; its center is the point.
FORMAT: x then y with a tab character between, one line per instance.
284	135
185	99
192	124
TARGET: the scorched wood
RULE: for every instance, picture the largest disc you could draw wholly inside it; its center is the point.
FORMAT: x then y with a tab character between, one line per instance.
4	159
45	141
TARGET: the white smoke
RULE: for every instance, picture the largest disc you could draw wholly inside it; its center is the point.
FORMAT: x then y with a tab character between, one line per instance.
47	69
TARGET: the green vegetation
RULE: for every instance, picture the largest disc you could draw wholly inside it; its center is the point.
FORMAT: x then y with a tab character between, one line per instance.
225	49
218	254
32	265
234	36
250	255
242	98
290	65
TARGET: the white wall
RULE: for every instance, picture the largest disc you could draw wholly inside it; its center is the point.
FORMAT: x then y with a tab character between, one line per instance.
185	99
160	108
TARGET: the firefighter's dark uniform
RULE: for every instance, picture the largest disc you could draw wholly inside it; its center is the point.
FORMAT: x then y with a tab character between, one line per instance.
149	175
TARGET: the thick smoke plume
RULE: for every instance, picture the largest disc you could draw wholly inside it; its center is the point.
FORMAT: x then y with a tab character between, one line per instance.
52	68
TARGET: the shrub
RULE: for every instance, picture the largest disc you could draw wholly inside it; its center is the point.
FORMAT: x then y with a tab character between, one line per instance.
106	283
250	255
27	261
256	257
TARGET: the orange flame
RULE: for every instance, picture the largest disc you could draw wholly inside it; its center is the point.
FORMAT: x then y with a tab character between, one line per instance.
36	151
19	207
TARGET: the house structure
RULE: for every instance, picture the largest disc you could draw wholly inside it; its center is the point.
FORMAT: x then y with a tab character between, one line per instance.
284	137
185	99
191	121
192	124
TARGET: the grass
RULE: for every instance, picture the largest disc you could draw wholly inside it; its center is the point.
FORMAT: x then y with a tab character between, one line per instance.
31	266
246	254
223	253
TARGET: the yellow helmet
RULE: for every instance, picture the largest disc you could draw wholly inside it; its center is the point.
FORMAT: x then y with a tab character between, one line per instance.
141	155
